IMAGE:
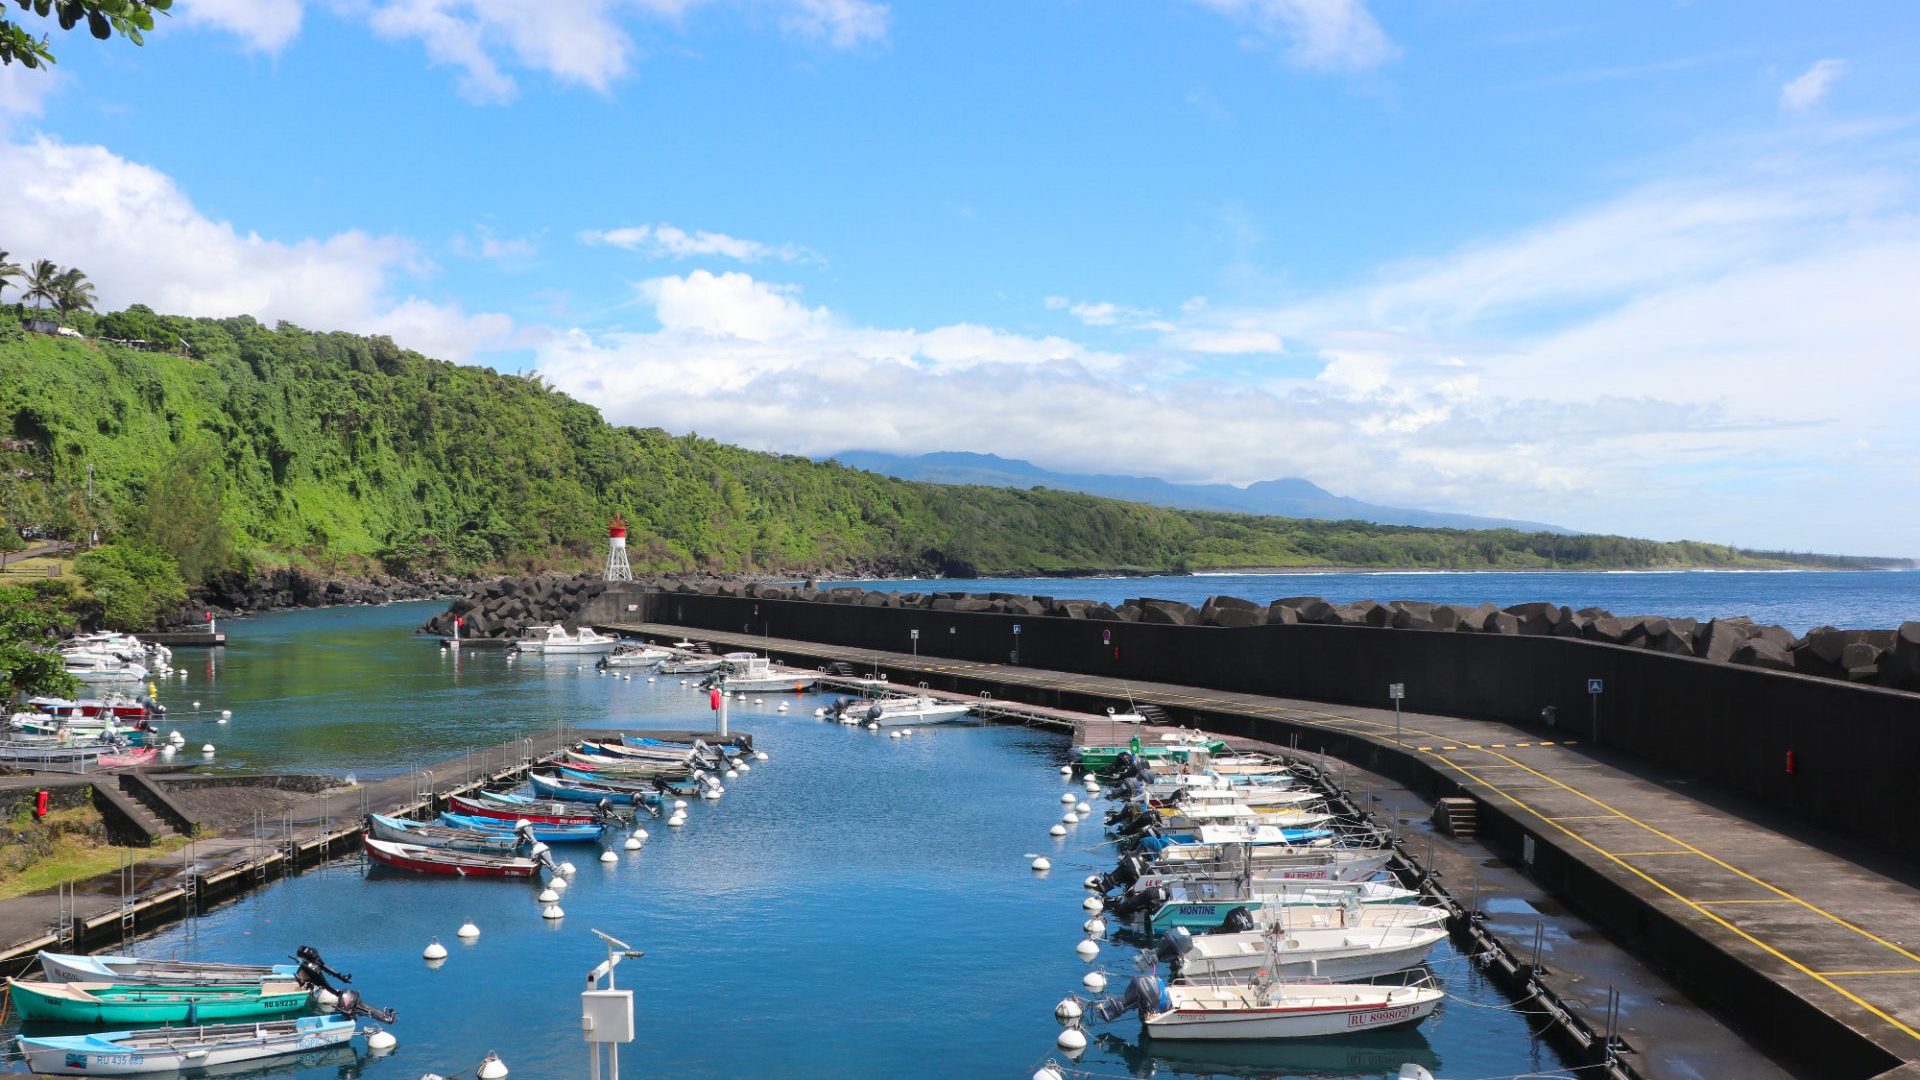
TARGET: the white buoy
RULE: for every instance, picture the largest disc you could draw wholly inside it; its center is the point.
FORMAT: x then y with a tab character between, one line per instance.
1068	1009
1069	798
1087	950
730	774
819	714
893	734
381	1041
569	869
434	950
468	930
558	884
166	751
176	738
226	714
677	820
1057	830
538	849
552	911
783	706
1083	810
492	1068
679	804
609	857
759	701
712	792
222	720
1094	981
1095	926
761	755
1070	818
906	731
1072	1039
547	896
1093	882
629	678
873	727
207	750
632	844
1066	770
649	678
1093	904
1042	864
640	835
743	768
1093	785
196	704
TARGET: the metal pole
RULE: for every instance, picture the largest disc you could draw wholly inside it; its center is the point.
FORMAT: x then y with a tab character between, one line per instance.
1396	721
1595	698
722	730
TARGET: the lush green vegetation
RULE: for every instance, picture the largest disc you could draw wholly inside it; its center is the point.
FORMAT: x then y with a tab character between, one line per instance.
32	618
132	585
104	18
253	445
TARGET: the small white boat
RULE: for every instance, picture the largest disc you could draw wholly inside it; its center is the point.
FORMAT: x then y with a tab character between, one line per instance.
177	1049
692	665
1204	815
1312	864
632	654
904	711
747	673
1332	953
94	667
555	641
1270	1010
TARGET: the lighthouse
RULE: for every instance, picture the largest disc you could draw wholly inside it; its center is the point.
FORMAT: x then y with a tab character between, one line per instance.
617	568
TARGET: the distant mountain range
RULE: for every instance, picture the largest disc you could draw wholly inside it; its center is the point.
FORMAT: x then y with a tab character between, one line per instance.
1291	497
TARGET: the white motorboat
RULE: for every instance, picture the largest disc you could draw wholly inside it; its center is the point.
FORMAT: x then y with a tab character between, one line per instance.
692	665
1263	1010
1311	864
903	711
1238	815
632	654
747	673
95	667
1332	953
555	641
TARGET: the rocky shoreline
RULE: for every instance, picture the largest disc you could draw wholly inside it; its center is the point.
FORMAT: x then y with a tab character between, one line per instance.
282	588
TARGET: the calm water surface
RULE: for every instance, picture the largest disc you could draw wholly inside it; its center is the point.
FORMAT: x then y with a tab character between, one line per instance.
1798	600
858	906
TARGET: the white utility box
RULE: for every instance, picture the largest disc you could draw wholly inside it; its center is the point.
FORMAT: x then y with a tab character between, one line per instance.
606	1016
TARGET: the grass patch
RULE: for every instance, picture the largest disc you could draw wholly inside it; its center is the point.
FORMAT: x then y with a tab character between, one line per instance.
76	851
21	570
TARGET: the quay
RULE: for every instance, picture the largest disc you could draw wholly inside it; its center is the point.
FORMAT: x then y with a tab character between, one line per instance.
1809	940
112	909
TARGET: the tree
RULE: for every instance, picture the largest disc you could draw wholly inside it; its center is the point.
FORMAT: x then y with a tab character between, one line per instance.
30	617
43	283
8	270
72	292
104	18
10	541
132	585
181	514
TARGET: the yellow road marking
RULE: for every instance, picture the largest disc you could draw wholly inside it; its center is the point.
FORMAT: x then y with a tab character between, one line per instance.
1705	902
1588	817
1882	971
1639	854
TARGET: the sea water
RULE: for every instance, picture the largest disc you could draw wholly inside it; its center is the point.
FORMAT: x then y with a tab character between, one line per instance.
857	906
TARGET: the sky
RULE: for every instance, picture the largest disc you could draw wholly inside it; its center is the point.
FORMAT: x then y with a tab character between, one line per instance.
1648	268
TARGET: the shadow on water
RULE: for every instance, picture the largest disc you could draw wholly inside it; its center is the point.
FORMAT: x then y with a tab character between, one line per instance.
1372	1054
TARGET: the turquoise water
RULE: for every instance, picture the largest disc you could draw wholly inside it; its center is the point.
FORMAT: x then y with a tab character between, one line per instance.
858	906
1798	600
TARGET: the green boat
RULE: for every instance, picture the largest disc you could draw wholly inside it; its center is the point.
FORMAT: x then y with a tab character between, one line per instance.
108	1004
1103	757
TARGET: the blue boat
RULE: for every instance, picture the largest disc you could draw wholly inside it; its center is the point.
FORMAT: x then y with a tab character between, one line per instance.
560	787
1155	843
664	744
551	834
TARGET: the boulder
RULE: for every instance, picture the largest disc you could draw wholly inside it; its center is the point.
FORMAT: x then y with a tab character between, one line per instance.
1236	617
1763	653
1446	617
1538	617
845	595
973	603
1169	613
1028	607
1103	612
1127	612
1070	609
1310	608
1861	661
1410	615
1569	623
943	603
1901	665
877	599
1282	615
1719	639
1501	622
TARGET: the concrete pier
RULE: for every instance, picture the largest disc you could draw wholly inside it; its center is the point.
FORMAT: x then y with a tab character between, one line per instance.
1809	941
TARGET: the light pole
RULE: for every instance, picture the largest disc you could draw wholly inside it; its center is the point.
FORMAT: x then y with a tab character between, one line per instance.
1396	691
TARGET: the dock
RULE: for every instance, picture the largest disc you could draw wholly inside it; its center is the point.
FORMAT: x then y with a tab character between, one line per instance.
1785	927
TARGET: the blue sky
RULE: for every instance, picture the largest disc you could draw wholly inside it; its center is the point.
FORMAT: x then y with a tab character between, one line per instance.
1647	268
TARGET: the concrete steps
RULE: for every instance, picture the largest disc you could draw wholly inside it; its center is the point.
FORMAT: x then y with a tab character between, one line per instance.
1456	817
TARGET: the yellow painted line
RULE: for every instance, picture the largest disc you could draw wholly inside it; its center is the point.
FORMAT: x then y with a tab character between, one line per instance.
1670	891
1882	971
1549	742
1499	746
1523	744
1643	854
1424	749
1587	817
1720	902
1449	748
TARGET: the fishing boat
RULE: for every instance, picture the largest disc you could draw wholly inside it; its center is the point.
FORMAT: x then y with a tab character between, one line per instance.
1270	1010
631	768
685	664
555	787
539	813
1204	905
1197	816
27	753
137	971
1103	758
747	673
106	1003
1335	953
172	1050
901	711
633	654
491	842
555	641
546	834
426	860
92	667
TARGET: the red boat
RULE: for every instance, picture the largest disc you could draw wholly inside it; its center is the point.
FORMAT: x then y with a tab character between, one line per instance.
472	808
426	860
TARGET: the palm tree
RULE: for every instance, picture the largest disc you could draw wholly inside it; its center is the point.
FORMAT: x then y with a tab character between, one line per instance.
43	283
73	292
7	270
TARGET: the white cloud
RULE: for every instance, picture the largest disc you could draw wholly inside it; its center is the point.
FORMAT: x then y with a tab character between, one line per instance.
24	92
1318	35
263	25
843	24
671	242
1106	313
1808	88
501	249
141	240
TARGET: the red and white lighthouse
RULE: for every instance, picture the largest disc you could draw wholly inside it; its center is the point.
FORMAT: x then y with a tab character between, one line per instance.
617	568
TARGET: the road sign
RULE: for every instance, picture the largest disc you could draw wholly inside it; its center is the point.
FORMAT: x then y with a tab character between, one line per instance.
1016	628
914	634
1397	691
1595	686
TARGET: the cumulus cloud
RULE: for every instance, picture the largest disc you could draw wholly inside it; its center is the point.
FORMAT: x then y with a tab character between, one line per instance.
142	240
671	242
1810	87
1317	35
484	244
262	25
24	92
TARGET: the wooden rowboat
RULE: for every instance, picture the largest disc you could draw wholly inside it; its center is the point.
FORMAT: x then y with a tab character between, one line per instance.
425	860
538	813
105	1003
172	1050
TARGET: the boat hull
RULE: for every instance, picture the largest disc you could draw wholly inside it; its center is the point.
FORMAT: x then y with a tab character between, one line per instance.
547	834
446	862
104	1055
1263	1022
511	813
136	971
128	1005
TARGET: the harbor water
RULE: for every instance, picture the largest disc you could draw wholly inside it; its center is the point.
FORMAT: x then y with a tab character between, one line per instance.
857	906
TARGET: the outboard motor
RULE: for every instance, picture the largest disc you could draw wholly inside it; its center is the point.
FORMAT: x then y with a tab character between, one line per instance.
350	1006
1125	872
1174	948
307	954
875	712
313	975
604	809
1138	901
1144	994
1237	921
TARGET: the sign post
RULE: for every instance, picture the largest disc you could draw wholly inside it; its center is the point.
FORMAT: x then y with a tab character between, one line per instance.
1396	691
915	635
717	698
1016	644
1595	687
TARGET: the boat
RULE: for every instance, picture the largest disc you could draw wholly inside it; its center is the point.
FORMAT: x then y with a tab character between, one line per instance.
545	833
555	641
901	711
1103	758
138	971
106	1003
1336	953
1205	905
692	665
91	667
123	709
633	654
539	813
21	753
426	860
747	673
169	1050
1270	1010
129	759
555	787
505	841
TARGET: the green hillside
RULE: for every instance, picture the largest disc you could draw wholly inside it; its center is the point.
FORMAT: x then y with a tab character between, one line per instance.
346	453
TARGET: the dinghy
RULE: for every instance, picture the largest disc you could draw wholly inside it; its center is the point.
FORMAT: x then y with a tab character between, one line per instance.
105	1003
547	834
172	1050
538	812
137	971
438	835
1263	1010
426	860
1335	953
